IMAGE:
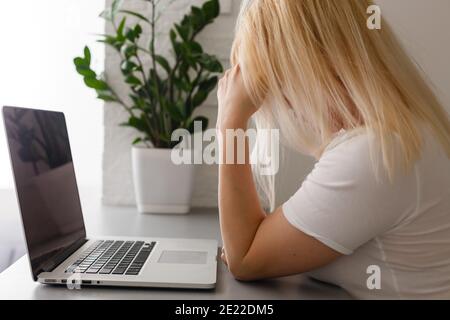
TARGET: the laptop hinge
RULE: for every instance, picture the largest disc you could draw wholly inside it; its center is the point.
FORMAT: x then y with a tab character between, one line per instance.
63	255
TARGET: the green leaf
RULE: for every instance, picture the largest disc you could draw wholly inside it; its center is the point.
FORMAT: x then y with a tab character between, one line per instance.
174	112
121	28
137	30
136	141
128	50
187	55
133	34
175	43
184	71
173	35
137	123
109	14
198	99
208	85
112	41
154	83
182	85
194	47
106	14
163	63
197	18
196	11
128	66
107	98
96	84
130	35
86	72
135	14
211	9
133	80
116	5
87	55
183	31
181	107
186	20
79	62
211	63
139	102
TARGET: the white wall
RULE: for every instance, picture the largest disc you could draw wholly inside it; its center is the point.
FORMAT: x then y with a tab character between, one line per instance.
39	41
424	27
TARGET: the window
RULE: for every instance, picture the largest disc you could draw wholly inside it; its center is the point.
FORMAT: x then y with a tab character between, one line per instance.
39	41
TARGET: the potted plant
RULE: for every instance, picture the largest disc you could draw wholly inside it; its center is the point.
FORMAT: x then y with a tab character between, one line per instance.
161	99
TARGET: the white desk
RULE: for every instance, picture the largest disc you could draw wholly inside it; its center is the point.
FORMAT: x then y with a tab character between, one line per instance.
16	282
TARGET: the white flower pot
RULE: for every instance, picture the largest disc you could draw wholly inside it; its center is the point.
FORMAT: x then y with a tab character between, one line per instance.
160	185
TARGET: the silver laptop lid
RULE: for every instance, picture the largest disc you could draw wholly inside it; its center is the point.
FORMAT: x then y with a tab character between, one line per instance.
45	184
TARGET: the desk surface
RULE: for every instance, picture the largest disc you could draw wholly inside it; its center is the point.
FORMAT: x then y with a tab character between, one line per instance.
16	282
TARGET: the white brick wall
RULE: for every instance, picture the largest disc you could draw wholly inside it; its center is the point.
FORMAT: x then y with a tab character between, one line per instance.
216	39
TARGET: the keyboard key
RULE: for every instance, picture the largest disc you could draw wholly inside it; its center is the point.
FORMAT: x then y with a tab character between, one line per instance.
119	271
131	273
113	257
106	271
140	259
91	256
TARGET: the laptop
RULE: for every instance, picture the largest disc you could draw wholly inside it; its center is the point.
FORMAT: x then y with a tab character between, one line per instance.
58	248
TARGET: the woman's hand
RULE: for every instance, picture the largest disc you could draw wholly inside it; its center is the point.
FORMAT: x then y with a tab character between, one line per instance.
235	105
223	256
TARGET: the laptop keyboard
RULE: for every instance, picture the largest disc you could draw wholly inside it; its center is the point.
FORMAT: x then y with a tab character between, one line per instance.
113	257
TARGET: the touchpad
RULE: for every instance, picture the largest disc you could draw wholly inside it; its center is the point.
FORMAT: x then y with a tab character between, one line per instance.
183	257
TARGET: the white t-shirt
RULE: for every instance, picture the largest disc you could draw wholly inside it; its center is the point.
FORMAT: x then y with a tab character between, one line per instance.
395	233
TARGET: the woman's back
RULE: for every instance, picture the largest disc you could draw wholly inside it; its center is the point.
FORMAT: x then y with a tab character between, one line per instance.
399	232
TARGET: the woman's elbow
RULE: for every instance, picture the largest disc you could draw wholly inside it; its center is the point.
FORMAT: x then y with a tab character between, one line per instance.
240	275
244	272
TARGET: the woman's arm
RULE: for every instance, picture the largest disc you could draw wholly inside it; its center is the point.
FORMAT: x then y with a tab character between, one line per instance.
257	245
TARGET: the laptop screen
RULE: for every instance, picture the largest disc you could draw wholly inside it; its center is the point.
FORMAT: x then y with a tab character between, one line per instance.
45	184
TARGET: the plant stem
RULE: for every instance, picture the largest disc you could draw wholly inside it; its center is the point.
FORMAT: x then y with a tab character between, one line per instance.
120	101
153	55
177	64
143	49
152	43
194	85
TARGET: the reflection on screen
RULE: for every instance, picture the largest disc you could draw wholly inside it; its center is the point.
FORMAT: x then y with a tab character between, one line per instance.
45	183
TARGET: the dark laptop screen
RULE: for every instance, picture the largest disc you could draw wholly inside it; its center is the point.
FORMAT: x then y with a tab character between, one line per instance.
45	184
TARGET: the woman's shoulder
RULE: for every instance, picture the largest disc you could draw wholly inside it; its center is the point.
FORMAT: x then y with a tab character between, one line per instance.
358	151
350	148
346	137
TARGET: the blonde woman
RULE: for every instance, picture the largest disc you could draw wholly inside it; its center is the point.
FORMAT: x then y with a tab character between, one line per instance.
378	198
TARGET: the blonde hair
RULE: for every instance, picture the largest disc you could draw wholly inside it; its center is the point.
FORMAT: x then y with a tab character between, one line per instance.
318	68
